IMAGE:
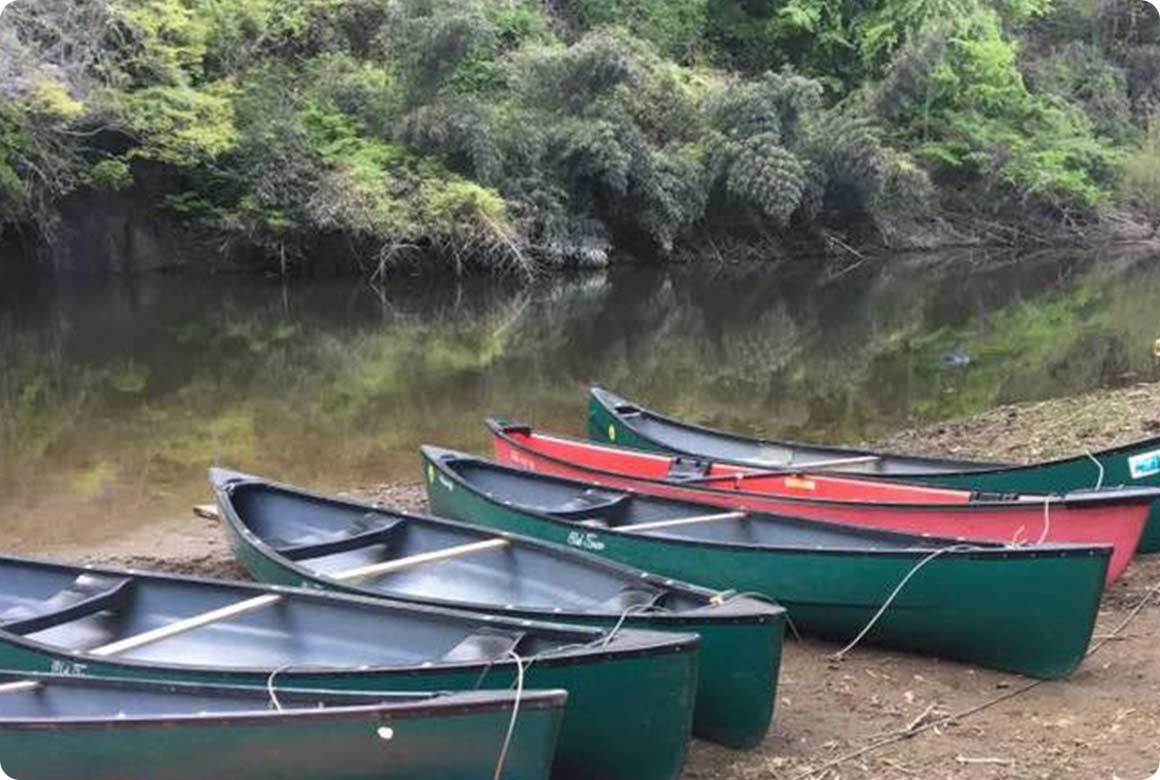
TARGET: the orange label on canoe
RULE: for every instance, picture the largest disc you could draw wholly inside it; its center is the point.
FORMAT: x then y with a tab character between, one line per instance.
799	483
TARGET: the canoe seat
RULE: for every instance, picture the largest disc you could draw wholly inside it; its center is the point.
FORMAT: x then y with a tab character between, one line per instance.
87	595
598	508
364	532
683	467
633	597
487	645
627	410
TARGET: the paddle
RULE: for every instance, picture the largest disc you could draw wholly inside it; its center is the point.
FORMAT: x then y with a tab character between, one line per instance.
780	471
681	521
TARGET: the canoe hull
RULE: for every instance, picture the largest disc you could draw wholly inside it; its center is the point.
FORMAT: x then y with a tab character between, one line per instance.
435	747
959	606
650	695
1119	524
737	670
1135	465
1063	475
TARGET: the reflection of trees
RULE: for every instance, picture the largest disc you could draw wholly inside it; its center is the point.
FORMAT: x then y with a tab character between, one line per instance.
330	384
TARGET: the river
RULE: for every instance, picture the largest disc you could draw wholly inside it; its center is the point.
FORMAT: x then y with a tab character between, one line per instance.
117	394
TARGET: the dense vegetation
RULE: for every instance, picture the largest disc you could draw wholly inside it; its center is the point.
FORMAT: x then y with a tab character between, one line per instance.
513	133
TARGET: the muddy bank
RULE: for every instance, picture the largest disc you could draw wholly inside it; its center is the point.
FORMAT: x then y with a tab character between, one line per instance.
1103	722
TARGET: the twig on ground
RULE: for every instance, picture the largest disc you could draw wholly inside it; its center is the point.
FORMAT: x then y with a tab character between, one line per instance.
918	721
998	761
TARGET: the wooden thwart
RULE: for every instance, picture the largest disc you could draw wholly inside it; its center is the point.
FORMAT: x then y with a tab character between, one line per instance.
186	625
678	521
15	687
269	599
387	567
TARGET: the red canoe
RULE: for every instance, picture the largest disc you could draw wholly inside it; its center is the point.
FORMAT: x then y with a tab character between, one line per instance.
1110	517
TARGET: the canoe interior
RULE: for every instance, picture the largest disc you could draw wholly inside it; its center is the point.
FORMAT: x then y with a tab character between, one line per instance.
677	436
525	574
692	471
303	630
601	508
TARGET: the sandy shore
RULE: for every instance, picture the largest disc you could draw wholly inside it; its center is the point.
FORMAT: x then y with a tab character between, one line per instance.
1103	722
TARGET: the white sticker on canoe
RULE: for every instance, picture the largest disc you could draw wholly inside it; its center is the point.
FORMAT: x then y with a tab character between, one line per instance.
585	541
1145	465
68	669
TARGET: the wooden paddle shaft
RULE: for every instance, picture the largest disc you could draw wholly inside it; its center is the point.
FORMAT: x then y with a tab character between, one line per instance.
677	521
269	599
23	685
780	470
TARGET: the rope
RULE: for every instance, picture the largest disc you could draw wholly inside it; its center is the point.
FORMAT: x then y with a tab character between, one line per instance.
507	740
639	609
963	714
1046	518
838	656
270	686
1100	466
726	596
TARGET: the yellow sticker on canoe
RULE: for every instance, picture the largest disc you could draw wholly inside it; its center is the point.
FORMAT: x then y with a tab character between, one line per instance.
797	483
430	472
611	432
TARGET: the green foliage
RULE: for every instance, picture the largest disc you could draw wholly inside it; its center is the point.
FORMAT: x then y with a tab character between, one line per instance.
492	131
111	175
1078	73
677	29
1140	184
180	125
956	94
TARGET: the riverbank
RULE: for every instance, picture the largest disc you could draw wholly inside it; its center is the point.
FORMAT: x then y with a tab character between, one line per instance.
1104	721
1041	430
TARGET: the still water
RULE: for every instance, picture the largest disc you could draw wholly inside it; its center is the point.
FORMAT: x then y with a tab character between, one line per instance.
115	396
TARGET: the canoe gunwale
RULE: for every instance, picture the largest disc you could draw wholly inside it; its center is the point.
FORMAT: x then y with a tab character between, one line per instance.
732	611
981	550
577	653
377	708
1143	496
983	469
610	401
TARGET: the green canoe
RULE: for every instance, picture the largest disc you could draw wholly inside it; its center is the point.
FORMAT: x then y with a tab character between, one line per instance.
615	420
631	693
284	535
73	728
1029	610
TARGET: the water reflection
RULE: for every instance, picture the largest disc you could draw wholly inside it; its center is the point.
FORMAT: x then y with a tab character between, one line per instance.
114	397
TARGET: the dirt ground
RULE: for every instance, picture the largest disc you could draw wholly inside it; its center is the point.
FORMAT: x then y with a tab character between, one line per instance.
1102	722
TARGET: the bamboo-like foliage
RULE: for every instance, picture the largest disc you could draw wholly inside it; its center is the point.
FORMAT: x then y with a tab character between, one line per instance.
517	132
